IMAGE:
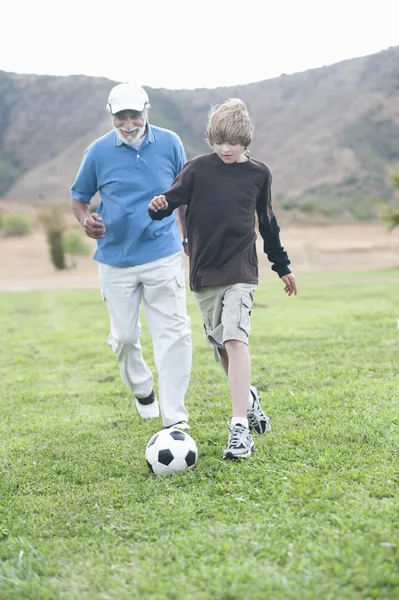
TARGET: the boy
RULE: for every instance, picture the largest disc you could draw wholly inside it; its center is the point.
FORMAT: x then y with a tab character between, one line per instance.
223	191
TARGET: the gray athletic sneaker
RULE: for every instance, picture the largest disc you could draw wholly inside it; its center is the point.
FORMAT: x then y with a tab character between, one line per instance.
257	420
240	444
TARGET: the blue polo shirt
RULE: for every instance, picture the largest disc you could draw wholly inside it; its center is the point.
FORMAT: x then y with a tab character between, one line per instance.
127	180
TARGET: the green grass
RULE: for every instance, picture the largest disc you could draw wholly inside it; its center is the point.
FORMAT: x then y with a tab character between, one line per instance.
312	515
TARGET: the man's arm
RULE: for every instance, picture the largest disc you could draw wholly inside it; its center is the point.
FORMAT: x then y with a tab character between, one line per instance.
91	223
82	191
81	210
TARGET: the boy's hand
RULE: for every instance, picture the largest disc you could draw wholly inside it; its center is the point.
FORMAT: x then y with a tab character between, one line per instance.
158	203
290	284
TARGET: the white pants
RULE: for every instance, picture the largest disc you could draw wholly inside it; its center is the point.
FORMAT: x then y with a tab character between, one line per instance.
161	286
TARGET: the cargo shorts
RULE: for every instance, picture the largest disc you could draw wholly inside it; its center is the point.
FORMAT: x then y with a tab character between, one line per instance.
226	312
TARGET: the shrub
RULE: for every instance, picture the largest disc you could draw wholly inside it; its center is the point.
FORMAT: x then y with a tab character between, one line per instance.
308	205
16	224
389	215
54	224
75	242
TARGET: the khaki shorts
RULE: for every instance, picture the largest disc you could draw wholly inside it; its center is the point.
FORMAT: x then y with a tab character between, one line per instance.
226	312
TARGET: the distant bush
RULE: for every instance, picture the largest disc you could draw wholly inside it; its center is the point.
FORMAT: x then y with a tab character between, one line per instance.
54	224
13	224
389	215
75	242
289	203
308	205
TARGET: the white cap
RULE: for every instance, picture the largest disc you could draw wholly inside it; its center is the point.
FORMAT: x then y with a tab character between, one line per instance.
127	96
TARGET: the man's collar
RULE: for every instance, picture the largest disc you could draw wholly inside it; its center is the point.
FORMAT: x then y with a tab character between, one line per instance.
150	134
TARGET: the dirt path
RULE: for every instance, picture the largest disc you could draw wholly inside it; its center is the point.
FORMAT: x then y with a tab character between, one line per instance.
25	263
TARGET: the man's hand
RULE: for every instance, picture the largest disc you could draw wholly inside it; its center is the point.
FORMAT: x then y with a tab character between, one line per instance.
290	284
158	203
94	227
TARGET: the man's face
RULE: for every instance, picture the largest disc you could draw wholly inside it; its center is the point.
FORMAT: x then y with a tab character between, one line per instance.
229	153
130	125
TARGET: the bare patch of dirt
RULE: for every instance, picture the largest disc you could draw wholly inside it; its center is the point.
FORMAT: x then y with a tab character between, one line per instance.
25	263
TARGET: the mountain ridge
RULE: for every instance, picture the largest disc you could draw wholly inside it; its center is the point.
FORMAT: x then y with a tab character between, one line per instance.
330	135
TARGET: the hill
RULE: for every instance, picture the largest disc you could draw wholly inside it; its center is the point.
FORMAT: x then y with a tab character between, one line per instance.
328	134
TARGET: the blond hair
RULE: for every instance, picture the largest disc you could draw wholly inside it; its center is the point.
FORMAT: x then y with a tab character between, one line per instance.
230	122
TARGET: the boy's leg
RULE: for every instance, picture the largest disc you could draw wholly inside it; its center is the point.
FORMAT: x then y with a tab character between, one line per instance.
122	293
247	412
235	320
164	291
226	315
237	307
257	420
239	376
224	361
240	443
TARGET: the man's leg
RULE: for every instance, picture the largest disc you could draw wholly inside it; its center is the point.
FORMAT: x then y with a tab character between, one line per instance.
122	293
164	293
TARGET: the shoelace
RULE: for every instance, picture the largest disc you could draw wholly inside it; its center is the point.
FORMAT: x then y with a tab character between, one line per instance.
252	419
237	435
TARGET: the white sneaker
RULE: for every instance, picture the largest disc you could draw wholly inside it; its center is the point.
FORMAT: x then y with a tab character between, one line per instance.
240	443
148	408
258	421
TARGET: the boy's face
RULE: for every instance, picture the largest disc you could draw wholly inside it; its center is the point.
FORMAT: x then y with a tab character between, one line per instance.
229	153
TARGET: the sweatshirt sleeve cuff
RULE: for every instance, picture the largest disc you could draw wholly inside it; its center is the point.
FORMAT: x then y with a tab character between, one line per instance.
156	216
281	270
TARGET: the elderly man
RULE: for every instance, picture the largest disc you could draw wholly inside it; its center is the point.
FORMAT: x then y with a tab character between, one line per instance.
140	260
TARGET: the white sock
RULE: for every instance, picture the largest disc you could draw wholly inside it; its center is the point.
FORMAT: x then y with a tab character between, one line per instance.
242	420
250	401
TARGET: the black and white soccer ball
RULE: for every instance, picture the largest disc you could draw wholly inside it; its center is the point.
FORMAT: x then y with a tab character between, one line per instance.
170	451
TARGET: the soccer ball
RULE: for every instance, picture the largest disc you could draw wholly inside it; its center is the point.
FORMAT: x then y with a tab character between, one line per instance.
170	451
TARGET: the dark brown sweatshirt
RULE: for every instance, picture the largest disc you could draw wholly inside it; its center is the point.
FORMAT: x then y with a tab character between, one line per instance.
222	200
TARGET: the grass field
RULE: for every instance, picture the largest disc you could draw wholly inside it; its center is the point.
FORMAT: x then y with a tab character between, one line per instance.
314	514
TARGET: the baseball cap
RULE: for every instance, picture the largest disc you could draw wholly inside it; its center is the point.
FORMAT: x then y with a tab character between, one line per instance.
127	96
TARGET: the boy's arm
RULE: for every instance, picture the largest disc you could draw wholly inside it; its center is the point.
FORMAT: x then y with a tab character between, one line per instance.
270	231
178	194
180	162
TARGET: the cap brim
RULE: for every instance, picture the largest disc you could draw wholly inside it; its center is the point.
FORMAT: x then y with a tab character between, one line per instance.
139	106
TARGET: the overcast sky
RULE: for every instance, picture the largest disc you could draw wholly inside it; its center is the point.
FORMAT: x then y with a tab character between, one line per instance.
190	43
